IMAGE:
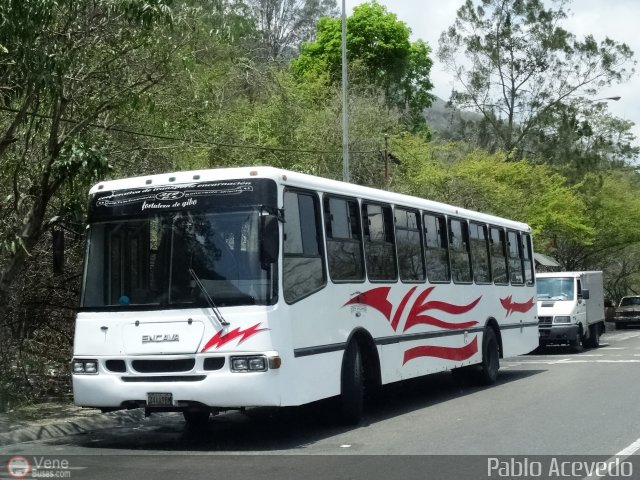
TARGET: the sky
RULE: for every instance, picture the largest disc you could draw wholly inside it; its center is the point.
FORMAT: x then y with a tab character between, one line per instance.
616	19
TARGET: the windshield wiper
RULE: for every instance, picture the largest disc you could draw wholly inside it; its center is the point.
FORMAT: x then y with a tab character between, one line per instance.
209	300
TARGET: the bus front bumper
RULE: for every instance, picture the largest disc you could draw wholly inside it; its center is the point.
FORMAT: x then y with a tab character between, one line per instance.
223	389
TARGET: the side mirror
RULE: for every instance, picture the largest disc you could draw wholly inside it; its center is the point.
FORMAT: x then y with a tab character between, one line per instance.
57	237
585	294
270	239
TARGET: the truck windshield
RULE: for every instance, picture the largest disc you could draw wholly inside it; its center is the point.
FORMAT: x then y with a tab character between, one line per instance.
145	261
558	288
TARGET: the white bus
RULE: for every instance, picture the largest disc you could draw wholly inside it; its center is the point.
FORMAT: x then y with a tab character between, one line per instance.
221	289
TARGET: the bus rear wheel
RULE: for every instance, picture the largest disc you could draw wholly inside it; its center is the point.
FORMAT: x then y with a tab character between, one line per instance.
352	386
488	373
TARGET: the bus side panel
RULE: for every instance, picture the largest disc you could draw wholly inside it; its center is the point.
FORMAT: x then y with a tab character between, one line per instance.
322	325
416	358
418	328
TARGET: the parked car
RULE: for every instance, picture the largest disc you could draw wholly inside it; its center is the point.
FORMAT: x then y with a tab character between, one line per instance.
628	312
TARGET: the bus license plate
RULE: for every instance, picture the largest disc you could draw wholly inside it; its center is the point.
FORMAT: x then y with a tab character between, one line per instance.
155	399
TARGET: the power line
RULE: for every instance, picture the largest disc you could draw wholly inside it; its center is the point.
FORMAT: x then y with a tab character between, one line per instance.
191	141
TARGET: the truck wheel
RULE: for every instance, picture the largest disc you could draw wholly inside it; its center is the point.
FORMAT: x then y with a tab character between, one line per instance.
352	386
576	345
594	336
490	365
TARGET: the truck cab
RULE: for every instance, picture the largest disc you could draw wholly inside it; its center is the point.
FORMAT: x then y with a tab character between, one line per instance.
570	309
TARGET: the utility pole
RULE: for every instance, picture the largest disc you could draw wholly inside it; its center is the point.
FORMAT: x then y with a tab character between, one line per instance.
345	104
386	161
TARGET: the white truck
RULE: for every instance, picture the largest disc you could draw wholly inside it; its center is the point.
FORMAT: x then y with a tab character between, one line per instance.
570	308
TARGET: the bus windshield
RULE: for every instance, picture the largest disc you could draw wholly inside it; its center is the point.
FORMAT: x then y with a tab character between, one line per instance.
555	288
145	261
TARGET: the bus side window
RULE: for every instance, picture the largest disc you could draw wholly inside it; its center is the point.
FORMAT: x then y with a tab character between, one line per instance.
498	256
436	248
409	243
303	265
344	239
380	252
480	253
459	251
515	258
528	259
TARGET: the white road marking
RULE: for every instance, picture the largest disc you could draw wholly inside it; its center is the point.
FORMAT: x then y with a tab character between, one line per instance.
605	361
630	450
612	348
569	361
620	457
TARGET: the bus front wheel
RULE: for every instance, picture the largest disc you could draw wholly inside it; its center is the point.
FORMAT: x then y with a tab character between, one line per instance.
196	419
352	386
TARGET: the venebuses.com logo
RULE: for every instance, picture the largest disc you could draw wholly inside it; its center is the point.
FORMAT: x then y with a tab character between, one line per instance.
18	467
38	467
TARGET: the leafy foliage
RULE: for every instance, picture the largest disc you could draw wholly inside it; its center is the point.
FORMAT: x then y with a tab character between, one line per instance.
98	89
285	24
378	46
520	64
478	180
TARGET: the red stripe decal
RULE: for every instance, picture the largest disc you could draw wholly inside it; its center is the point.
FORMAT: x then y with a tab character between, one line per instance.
449	307
374	298
447	353
220	339
521	307
398	314
419	307
428	320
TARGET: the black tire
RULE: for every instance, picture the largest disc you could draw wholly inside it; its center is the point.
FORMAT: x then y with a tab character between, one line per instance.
196	419
488	373
576	345
620	326
352	386
594	336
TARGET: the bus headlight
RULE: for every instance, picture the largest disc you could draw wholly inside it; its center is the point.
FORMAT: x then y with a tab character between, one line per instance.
249	364
562	319
84	366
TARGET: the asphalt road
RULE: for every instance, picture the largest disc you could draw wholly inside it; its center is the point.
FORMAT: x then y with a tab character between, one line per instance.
550	403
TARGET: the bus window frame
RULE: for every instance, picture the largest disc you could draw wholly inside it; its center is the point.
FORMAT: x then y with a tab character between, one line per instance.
521	258
441	216
320	237
420	231
465	222
364	202
326	197
487	250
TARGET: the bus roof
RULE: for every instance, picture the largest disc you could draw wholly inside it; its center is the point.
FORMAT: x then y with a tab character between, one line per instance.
301	180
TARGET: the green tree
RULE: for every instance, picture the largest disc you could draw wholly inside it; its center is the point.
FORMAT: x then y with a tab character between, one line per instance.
285	24
584	138
66	66
513	62
491	183
381	55
613	202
